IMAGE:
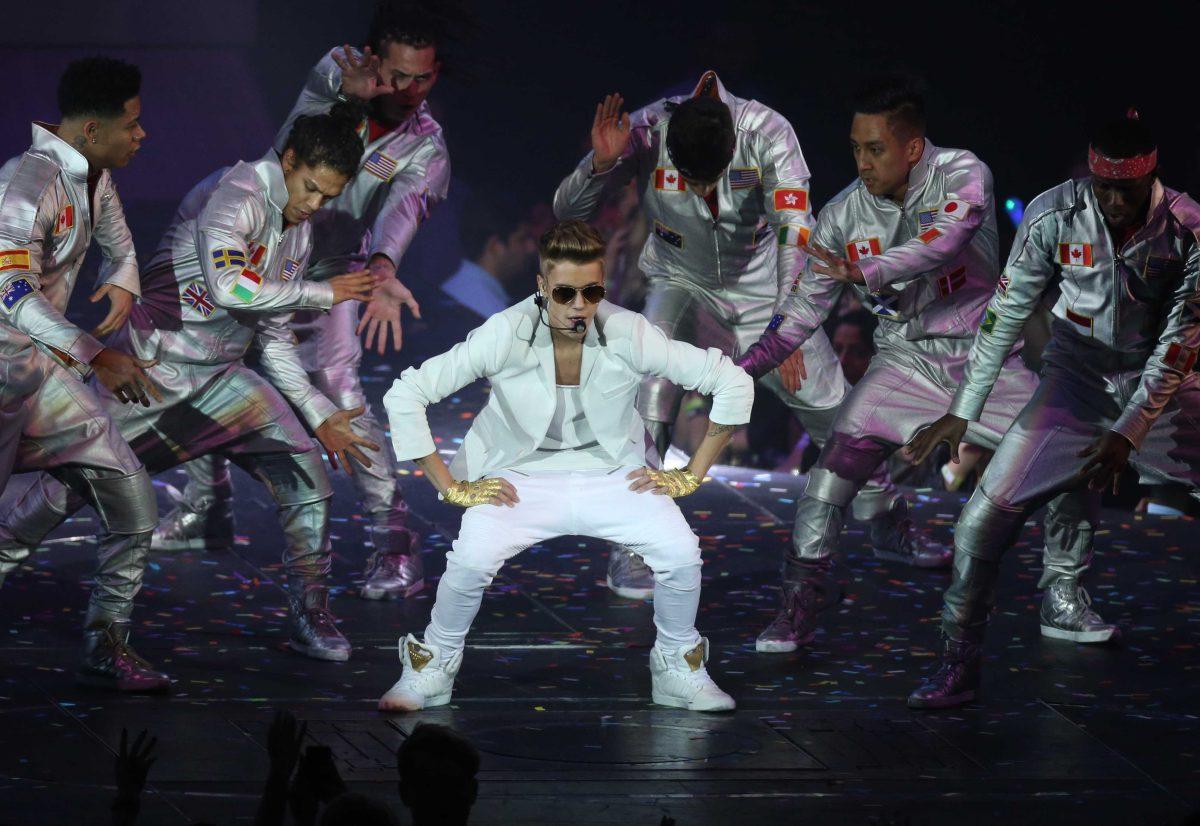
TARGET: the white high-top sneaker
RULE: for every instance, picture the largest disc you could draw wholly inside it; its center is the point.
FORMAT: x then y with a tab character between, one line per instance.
679	679
426	681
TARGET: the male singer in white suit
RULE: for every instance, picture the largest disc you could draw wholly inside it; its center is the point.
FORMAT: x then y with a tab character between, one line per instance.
560	449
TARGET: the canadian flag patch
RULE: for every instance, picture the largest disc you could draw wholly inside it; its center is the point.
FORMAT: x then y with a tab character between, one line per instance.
669	180
66	220
1180	358
1079	255
791	199
863	248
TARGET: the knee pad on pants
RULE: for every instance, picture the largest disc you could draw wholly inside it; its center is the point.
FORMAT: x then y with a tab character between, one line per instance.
830	488
126	503
293	478
985	530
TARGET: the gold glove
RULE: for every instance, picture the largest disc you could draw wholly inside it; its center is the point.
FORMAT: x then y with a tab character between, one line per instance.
674	483
468	494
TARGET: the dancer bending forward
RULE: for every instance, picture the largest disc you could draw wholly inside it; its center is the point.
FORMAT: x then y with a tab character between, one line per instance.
560	449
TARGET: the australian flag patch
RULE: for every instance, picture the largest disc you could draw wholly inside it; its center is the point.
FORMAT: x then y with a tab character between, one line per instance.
669	235
15	292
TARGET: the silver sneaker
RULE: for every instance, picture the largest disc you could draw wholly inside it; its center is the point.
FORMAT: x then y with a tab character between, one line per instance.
206	523
397	571
679	679
894	537
312	627
795	624
427	679
1067	615
628	574
956	680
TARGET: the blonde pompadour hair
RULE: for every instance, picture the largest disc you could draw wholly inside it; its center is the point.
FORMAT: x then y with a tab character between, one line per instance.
574	241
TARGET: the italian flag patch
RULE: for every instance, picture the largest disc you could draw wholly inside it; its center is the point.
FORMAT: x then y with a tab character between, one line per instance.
247	286
793	235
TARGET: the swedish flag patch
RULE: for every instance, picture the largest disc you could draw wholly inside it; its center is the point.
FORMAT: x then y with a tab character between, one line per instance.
228	257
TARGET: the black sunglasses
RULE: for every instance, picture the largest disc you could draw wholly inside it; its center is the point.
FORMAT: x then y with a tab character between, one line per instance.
592	293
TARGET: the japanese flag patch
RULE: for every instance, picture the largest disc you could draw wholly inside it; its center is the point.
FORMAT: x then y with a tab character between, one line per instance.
955	209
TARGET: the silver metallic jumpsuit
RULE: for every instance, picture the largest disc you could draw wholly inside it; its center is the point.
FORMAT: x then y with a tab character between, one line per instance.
1122	355
404	173
228	271
930	265
49	419
720	282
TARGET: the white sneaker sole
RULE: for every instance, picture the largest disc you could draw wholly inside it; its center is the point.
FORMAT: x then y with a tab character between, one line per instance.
629	593
329	655
403	703
781	646
678	702
369	592
1079	636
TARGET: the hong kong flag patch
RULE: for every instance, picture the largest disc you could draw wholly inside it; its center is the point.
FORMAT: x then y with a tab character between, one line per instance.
669	180
796	199
1077	255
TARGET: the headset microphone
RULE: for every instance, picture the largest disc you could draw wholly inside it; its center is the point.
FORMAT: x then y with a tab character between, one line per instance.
578	326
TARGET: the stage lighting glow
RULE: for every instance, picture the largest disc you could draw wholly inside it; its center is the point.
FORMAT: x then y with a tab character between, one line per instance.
1015	208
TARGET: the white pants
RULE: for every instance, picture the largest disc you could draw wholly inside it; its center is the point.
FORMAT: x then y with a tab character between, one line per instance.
594	503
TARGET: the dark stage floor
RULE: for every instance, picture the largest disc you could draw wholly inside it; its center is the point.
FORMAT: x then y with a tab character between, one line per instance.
555	687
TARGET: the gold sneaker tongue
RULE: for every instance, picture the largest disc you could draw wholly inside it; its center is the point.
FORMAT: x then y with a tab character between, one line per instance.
695	657
418	655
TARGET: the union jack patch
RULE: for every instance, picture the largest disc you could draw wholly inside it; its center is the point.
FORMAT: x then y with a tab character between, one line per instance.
197	297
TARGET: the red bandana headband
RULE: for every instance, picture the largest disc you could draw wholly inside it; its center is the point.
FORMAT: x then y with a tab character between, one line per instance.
1103	166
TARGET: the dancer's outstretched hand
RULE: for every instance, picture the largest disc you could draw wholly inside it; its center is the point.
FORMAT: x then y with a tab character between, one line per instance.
481	492
674	483
834	265
1109	455
341	442
949	429
360	74
610	132
792	371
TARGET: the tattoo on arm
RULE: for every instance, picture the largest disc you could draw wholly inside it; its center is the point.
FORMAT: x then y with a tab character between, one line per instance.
719	429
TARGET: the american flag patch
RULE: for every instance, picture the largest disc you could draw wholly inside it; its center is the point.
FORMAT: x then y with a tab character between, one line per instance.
925	218
197	297
380	165
884	305
1180	358
1159	267
290	267
15	292
744	178
952	281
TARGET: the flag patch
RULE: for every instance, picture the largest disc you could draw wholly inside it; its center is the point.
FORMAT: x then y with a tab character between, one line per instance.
381	165
247	285
956	209
669	235
15	292
256	252
793	235
1180	358
989	322
1162	267
66	219
289	269
1079	255
776	321
925	219
885	305
668	180
197	297
1079	320
791	199
744	178
1002	284
930	235
952	281
864	248
14	260
228	257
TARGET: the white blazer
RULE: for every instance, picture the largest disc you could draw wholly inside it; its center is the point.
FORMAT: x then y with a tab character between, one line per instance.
514	351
